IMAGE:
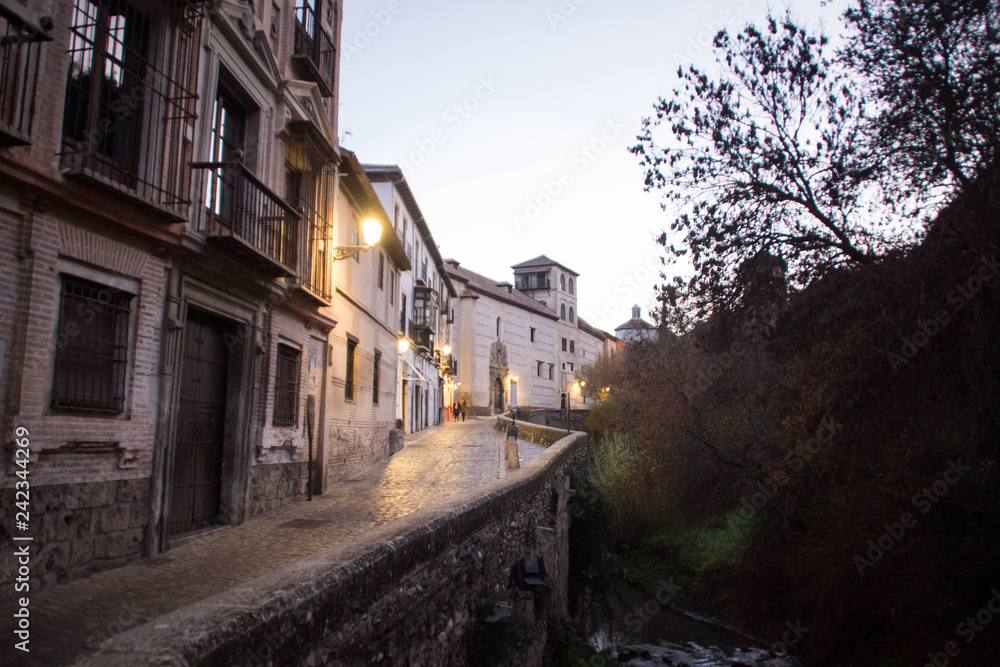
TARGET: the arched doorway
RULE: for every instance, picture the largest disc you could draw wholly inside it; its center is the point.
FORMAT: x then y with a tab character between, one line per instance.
498	402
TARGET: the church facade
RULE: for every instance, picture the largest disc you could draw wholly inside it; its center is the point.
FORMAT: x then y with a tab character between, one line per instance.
522	345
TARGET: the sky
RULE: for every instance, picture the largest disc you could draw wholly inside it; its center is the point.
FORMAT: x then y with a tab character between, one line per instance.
511	121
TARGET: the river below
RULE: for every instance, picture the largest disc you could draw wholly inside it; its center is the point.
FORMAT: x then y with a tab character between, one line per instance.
650	633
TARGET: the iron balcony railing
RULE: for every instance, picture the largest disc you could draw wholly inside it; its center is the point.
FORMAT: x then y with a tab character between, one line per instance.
315	275
314	50
20	47
238	207
129	109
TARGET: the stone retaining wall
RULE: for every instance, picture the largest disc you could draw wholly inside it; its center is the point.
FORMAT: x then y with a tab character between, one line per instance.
78	529
410	600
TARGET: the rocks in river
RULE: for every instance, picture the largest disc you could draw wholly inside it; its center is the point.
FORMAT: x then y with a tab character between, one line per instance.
688	654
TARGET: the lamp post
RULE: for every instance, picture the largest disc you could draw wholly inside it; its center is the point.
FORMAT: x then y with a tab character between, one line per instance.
372	231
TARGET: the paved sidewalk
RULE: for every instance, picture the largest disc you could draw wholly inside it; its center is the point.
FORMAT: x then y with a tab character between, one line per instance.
70	620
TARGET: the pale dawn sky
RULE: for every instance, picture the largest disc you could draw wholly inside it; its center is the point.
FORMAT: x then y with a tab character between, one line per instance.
511	121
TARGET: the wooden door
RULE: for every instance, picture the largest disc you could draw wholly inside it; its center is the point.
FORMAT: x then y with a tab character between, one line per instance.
201	425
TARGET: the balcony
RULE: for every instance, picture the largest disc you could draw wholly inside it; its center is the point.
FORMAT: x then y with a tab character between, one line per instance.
129	113
422	336
20	47
315	276
239	211
314	51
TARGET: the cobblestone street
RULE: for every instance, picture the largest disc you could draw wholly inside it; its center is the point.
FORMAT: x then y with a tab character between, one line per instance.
435	464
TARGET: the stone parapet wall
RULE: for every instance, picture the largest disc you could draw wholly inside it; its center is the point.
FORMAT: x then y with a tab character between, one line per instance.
408	600
78	529
538	434
554	418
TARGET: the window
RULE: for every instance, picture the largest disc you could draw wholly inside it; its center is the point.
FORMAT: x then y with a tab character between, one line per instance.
572	315
352	352
402	314
563	344
562	282
392	287
531	334
571	291
108	44
228	135
92	347
376	377
562	312
125	115
498	327
286	385
539	372
552	371
572	347
381	271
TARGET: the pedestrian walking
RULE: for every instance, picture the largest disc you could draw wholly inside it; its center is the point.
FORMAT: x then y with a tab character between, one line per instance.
455	411
464	408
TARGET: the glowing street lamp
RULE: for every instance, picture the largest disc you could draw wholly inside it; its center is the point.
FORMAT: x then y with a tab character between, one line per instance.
404	345
372	231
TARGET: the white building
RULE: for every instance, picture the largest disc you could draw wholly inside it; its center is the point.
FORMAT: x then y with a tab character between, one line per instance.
361	391
524	342
636	329
424	309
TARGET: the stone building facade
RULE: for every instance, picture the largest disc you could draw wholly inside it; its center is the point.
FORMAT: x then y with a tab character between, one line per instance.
523	341
425	384
361	396
171	194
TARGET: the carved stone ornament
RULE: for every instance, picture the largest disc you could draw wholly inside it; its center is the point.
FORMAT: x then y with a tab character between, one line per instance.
498	354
